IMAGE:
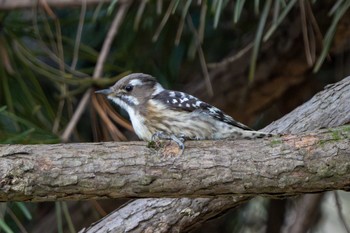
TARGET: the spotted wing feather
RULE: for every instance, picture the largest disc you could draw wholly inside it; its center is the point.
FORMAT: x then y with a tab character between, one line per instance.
181	101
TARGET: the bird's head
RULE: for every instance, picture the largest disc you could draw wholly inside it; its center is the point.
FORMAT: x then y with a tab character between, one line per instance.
132	90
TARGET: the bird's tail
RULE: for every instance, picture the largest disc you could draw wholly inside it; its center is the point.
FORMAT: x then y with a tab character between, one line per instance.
247	134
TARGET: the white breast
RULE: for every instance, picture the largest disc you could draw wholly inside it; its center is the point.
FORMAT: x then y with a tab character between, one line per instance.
138	123
136	119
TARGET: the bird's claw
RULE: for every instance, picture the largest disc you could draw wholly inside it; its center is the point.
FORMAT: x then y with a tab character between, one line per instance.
164	136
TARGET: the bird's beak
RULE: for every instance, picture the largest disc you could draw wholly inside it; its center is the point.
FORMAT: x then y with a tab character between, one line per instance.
104	91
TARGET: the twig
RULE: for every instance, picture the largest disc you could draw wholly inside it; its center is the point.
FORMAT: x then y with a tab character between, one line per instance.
78	37
98	208
182	23
318	33
114	131
51	54
56	122
68	217
76	116
76	49
139	14
305	33
16	220
60	55
229	60
164	20
47	8
113	30
159	6
202	17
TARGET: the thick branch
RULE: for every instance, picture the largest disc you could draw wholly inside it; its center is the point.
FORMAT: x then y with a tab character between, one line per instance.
164	215
284	166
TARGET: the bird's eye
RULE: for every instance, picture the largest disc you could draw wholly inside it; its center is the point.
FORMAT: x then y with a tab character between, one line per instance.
128	88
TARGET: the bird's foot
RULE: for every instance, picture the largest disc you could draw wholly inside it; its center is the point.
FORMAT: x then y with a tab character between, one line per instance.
168	149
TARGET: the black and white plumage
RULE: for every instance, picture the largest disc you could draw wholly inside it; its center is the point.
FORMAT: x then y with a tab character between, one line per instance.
154	109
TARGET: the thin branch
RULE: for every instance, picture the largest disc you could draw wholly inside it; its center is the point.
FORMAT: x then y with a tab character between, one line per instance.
139	14
68	217
76	116
78	36
182	22
201	57
314	23
113	31
56	122
16	220
98	208
233	58
305	33
114	131
159	6
164	21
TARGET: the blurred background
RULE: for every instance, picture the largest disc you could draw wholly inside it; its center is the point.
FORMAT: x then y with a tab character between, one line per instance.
256	60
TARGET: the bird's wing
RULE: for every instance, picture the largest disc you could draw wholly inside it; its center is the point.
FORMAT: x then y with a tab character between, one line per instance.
181	101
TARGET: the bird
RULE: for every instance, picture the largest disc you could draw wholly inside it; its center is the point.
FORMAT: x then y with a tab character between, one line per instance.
158	113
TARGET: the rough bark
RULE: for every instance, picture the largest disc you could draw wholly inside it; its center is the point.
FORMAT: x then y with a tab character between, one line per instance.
334	95
285	166
18	4
163	215
329	108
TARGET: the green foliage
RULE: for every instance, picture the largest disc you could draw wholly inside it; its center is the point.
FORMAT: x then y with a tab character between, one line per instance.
24	210
16	129
5	227
13	215
338	10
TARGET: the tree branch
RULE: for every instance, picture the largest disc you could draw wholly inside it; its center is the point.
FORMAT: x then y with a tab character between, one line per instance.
327	109
332	102
167	215
284	166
